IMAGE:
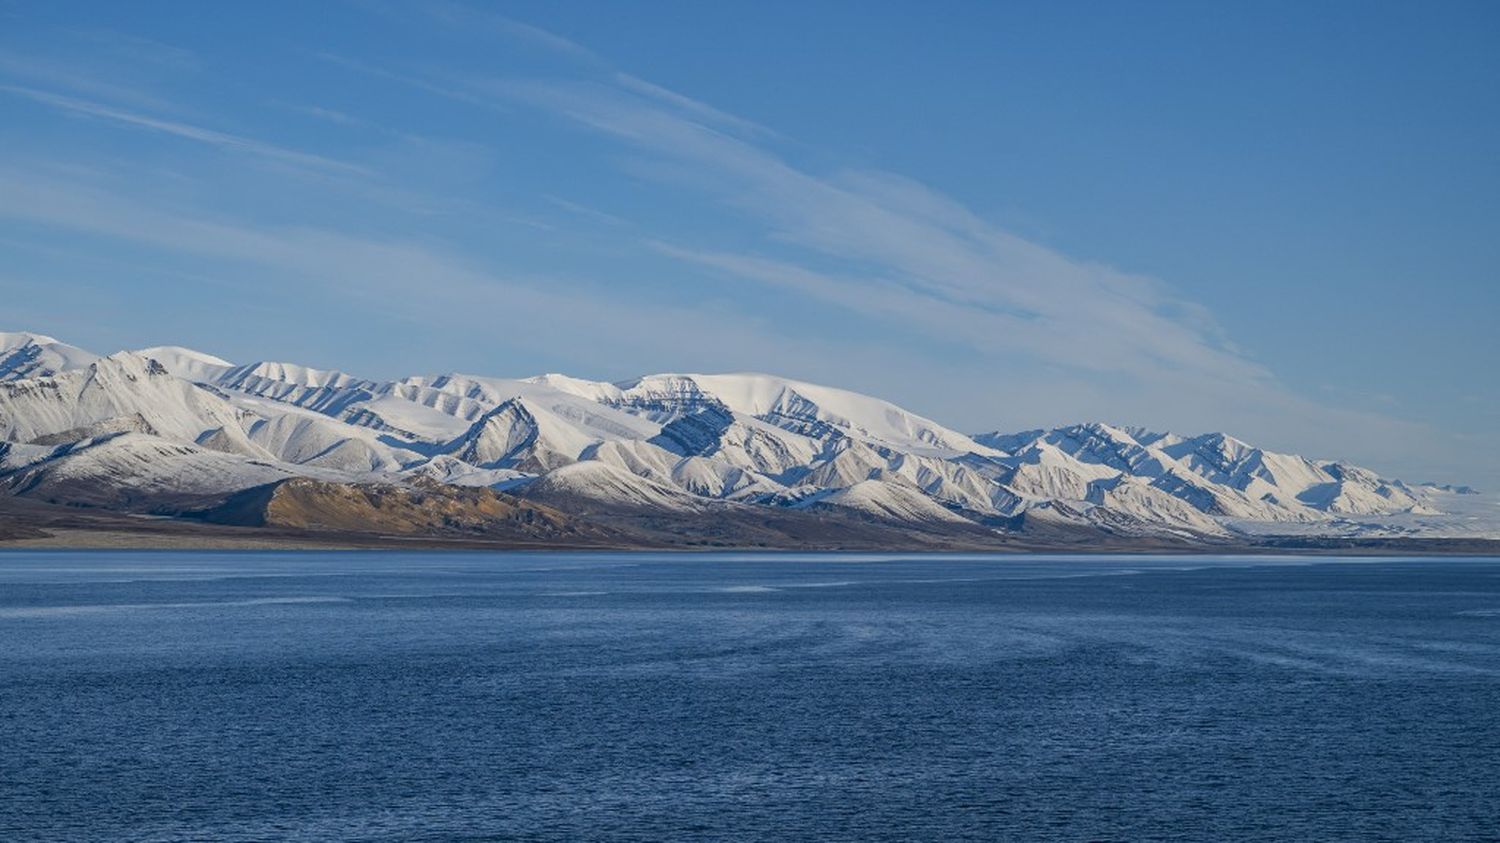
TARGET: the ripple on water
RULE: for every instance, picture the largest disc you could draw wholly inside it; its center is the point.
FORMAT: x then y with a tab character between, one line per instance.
746	697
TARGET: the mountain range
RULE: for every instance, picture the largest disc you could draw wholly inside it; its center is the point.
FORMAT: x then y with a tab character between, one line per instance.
668	459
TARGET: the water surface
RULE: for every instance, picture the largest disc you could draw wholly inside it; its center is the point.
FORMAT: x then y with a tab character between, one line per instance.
318	696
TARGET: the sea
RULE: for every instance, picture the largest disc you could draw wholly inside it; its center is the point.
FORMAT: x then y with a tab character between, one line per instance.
317	696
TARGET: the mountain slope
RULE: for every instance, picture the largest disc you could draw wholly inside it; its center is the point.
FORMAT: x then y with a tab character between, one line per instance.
129	471
122	386
27	355
426	510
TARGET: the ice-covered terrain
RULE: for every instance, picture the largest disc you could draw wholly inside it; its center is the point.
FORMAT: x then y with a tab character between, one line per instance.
166	423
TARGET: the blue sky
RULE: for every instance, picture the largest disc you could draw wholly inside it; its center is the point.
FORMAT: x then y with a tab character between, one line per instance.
1279	220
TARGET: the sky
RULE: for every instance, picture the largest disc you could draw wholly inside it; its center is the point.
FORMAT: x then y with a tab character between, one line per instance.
1279	220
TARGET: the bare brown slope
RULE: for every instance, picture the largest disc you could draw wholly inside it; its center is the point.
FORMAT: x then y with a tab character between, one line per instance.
429	510
311	515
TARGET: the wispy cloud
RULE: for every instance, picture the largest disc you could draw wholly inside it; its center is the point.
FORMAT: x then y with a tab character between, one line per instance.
199	134
691	107
371	273
328	115
140	49
69	76
586	211
907	251
475	21
409	79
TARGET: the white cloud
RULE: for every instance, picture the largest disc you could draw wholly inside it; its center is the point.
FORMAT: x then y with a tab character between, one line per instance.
910	250
441	290
136	120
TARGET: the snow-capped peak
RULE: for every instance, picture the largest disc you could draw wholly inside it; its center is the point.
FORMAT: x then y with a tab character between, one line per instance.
187	363
12	339
27	355
797	405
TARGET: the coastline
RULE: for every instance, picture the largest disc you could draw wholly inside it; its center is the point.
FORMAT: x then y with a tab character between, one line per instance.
174	536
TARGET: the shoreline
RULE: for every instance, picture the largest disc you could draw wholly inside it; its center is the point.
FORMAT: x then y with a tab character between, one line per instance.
86	539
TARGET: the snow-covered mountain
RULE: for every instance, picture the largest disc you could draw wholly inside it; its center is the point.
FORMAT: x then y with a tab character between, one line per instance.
26	355
134	429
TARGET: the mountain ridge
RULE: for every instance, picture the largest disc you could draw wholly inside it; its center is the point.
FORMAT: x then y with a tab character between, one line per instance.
149	430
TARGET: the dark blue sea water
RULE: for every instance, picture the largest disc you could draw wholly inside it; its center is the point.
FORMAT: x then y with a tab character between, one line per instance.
385	696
